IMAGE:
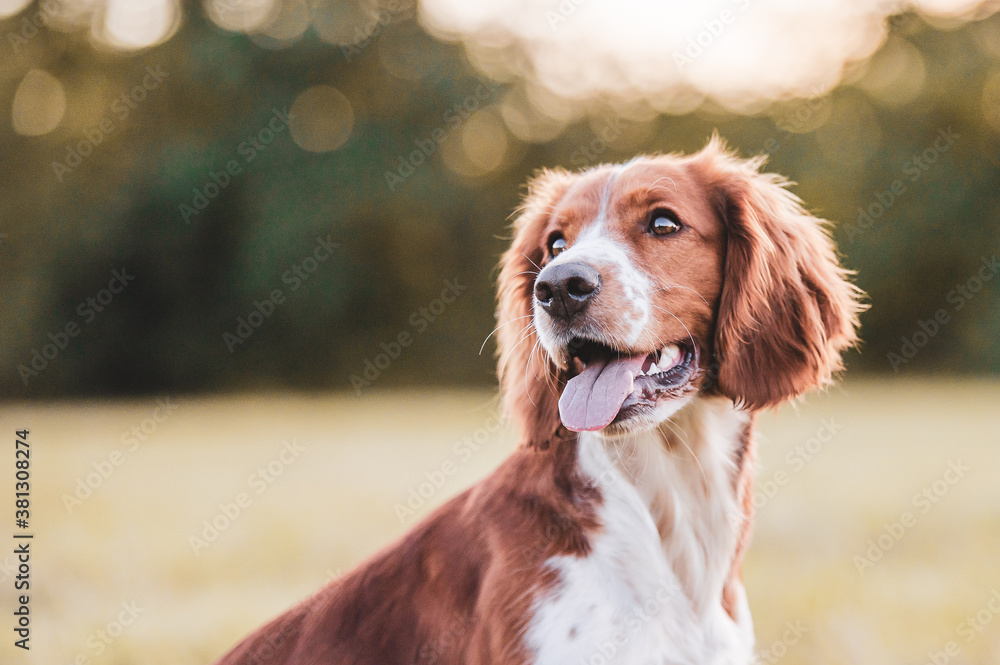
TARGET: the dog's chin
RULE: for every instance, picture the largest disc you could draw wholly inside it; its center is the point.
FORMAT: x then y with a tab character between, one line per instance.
646	388
638	419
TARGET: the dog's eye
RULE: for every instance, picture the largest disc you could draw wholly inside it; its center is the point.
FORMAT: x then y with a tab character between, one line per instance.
664	222
557	244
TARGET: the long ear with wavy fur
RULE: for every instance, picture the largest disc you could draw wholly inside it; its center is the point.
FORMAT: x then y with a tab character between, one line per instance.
787	309
529	381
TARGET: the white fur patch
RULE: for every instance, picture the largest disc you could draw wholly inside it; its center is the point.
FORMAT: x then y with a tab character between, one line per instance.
650	592
598	249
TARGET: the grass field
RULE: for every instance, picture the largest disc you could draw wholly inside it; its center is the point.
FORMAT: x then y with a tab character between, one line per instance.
117	579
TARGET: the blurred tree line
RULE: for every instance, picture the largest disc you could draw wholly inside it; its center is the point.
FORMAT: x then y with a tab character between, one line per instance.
380	237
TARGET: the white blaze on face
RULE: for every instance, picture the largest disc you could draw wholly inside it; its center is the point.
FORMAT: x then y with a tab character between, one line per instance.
611	259
599	248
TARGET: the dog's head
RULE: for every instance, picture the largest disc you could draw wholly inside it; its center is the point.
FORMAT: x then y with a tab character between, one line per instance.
630	288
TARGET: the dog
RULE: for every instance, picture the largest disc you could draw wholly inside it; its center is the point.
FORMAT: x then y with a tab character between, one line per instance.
647	311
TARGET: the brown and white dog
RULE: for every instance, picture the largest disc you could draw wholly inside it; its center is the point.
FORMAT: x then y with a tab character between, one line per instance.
646	312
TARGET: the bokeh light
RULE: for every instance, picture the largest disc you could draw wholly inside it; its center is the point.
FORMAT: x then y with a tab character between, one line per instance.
895	75
286	25
135	24
150	136
321	119
525	122
39	104
484	140
11	7
347	23
400	54
742	54
991	101
240	15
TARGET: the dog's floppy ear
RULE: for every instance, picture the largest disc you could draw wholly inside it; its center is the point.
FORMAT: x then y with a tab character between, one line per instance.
529	381
787	309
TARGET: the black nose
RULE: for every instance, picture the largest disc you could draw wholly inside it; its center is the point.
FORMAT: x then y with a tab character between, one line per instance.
563	289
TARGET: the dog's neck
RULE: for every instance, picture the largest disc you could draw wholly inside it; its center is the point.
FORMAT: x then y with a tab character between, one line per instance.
689	474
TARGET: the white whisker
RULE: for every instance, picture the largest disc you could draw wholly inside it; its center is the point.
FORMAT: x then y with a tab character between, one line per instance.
530	354
690	336
530	261
663	178
498	328
678	286
681	437
524	333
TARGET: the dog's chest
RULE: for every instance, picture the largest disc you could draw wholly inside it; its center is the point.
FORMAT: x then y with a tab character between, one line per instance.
649	592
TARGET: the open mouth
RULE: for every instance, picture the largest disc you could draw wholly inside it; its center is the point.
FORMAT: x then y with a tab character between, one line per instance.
612	385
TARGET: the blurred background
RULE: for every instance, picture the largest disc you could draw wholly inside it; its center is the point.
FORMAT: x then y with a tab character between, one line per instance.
218	217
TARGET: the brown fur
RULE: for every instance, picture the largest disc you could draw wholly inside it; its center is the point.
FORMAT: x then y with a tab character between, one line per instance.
788	309
457	589
758	288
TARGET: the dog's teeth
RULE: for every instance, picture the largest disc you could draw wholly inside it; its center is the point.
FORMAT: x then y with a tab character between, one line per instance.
669	355
653	369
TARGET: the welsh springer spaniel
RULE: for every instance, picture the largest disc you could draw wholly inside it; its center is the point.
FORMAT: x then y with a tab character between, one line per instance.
646	312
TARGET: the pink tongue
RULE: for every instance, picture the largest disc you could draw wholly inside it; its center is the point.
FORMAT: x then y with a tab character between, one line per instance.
591	399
